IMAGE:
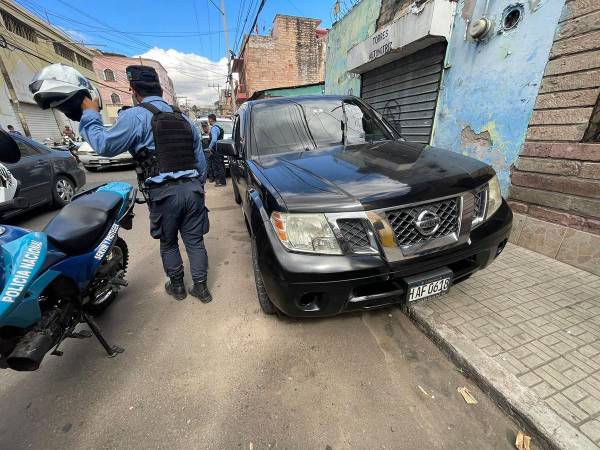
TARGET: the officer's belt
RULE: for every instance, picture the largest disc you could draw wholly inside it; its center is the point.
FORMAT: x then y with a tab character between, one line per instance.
171	181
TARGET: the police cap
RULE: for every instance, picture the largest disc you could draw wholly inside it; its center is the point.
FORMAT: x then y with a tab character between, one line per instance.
142	73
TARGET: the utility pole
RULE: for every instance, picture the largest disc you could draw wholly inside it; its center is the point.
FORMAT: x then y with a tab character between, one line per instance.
218	86
229	78
13	98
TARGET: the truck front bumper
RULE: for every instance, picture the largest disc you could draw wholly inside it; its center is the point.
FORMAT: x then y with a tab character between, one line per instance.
305	285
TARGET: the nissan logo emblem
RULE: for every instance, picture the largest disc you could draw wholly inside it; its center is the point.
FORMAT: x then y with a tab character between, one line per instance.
427	222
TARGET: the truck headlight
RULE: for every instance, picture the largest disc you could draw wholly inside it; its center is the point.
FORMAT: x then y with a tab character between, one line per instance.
309	233
494	197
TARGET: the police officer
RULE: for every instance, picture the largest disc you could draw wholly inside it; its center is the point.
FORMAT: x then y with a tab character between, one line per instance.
218	164
207	152
171	169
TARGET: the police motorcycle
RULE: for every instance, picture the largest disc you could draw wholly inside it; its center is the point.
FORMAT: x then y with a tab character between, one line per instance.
52	281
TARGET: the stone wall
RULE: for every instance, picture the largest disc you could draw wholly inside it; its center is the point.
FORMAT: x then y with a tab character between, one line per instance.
555	190
294	54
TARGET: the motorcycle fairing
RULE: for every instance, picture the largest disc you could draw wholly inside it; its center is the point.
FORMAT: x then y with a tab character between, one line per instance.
22	259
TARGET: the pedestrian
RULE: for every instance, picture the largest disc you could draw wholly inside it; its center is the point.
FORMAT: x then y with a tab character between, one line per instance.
12	130
69	133
171	169
207	153
218	164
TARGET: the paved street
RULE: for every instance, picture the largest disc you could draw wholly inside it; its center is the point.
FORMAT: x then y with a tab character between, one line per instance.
224	376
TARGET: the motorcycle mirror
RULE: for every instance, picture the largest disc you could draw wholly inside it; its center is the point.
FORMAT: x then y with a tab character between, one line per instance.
9	150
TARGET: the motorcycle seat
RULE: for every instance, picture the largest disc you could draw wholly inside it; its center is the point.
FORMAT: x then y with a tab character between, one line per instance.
80	226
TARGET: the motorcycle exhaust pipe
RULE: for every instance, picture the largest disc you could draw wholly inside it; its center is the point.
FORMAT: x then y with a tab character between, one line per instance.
31	348
30	351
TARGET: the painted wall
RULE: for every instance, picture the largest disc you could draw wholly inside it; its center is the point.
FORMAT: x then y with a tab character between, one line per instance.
355	27
489	90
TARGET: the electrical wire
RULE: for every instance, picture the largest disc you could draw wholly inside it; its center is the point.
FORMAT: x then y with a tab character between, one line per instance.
241	36
198	25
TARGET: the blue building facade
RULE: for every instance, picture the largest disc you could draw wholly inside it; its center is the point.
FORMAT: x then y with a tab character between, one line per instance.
493	64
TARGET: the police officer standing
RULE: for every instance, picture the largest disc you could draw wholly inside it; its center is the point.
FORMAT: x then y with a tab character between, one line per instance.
207	153
171	168
218	164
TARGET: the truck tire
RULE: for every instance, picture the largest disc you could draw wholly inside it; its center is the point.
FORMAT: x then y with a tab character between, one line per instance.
236	193
263	298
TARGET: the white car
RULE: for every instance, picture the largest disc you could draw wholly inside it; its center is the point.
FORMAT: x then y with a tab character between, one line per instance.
92	161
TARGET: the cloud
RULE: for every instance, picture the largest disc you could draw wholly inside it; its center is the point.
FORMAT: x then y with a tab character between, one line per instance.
191	74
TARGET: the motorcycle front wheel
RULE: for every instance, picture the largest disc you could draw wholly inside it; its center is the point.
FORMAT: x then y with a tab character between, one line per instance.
103	293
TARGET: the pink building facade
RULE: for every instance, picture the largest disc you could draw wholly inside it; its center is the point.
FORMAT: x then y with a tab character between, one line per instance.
110	69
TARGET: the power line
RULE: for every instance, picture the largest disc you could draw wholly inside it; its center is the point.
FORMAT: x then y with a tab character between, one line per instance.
209	40
238	21
215	5
241	36
32	52
104	23
260	7
197	25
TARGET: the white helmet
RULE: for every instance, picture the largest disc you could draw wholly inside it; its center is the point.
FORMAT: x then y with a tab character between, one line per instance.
62	87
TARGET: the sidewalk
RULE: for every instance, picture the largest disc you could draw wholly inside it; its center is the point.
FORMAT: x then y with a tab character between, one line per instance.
534	318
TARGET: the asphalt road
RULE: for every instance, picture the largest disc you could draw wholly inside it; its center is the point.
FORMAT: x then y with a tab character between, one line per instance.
225	376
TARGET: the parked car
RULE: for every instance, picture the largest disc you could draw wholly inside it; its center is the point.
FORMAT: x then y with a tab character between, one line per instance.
45	176
92	161
345	215
225	123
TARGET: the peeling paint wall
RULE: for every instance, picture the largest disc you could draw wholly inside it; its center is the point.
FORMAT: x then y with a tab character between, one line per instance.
489	88
355	27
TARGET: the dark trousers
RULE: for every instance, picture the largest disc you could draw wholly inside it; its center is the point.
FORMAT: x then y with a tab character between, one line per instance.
218	167
178	208
209	166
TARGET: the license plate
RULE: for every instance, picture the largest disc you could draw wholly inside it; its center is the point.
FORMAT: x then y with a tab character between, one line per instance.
104	161
428	285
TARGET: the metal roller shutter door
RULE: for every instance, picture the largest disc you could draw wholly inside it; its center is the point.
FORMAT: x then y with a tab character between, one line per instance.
405	91
42	123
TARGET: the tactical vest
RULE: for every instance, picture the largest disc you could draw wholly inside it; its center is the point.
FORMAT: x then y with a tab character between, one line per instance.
173	143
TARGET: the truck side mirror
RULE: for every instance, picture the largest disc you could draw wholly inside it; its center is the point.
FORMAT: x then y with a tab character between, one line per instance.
227	147
9	150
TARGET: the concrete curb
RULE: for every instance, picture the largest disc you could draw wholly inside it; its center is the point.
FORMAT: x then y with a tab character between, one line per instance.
503	387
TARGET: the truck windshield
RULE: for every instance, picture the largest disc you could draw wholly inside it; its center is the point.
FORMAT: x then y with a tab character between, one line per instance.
293	126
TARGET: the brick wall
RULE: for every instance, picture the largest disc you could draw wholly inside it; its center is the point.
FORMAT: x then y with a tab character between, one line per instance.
556	180
294	54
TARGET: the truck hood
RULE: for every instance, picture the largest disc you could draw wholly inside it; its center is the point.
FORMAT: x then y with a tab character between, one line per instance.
370	176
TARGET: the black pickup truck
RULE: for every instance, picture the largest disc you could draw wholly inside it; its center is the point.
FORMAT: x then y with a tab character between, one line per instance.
345	215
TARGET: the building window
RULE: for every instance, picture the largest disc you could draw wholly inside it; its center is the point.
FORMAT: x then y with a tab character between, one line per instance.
115	99
64	51
14	25
84	62
109	75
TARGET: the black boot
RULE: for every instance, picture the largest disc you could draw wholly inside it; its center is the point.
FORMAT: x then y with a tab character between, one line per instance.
176	288
201	292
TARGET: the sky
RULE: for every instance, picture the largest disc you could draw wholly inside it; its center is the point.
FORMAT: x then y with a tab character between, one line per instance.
186	36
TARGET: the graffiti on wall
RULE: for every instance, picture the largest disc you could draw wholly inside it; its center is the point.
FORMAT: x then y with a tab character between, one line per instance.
355	27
